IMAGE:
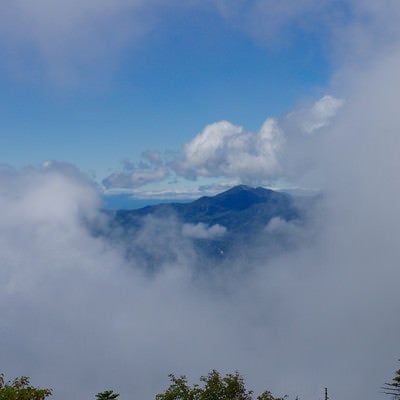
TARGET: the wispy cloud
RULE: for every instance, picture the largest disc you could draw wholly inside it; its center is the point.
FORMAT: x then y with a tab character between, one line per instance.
311	119
134	175
135	178
66	38
202	231
272	22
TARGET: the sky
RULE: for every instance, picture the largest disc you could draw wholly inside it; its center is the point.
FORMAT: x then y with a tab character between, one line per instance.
174	100
99	85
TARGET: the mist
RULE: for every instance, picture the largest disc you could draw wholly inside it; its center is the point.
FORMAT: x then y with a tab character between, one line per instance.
77	316
80	318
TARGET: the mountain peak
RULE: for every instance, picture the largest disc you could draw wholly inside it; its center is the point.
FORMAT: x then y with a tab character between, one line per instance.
241	197
240	189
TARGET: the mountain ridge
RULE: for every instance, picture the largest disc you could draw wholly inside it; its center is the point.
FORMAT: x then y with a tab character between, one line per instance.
227	208
241	214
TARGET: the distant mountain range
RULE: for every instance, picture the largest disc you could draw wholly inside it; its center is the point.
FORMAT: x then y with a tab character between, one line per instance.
218	225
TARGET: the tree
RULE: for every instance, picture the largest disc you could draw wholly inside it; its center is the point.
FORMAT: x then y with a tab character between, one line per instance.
229	387
20	389
267	395
107	395
179	390
393	388
212	387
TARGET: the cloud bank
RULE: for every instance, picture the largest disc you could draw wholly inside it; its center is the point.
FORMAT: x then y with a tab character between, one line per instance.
75	315
225	150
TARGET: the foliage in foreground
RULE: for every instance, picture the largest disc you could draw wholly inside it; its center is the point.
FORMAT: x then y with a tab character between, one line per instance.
393	388
107	395
212	387
20	389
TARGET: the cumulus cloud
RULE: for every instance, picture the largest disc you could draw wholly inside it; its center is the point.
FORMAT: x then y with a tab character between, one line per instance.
224	149
202	231
281	148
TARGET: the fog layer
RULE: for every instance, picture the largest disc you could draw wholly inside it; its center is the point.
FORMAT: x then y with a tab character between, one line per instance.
76	316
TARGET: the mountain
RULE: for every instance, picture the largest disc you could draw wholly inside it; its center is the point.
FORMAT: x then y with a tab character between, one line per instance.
218	225
236	209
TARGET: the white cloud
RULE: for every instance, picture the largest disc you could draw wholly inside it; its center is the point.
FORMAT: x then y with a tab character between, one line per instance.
47	200
281	148
278	225
276	150
224	149
202	231
70	37
76	316
311	119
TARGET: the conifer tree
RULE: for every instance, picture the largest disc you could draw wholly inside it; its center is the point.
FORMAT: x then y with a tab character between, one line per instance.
107	395
393	388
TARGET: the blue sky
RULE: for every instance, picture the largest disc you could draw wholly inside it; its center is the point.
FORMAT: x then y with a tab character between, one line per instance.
188	67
